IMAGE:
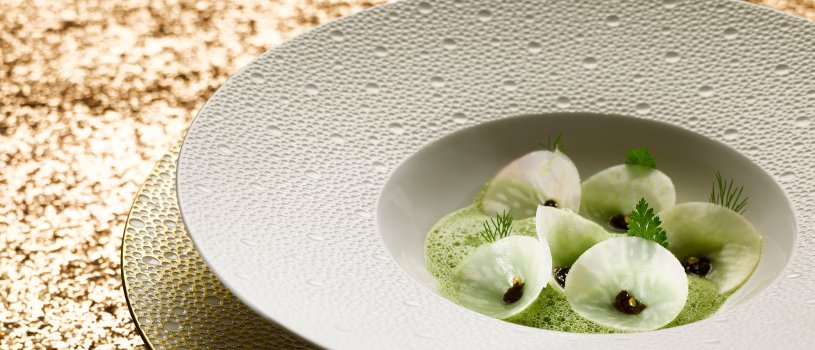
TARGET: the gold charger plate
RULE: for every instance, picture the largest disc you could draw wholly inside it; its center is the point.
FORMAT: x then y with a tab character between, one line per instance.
174	298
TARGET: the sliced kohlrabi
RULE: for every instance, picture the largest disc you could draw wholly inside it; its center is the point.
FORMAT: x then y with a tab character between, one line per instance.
541	177
503	278
627	283
609	196
568	235
706	233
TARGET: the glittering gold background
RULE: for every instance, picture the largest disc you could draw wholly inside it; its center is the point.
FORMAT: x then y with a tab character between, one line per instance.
92	93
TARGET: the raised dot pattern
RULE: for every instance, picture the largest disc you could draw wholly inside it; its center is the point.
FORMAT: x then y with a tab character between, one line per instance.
689	63
177	301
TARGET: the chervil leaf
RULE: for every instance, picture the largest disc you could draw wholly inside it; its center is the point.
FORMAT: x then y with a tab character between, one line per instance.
640	156
645	224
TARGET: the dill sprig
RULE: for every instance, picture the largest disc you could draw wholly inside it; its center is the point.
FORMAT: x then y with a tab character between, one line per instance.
640	156
498	227
726	195
645	224
556	146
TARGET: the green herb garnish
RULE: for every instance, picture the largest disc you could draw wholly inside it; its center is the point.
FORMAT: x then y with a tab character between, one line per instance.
557	146
645	224
640	156
498	227
727	195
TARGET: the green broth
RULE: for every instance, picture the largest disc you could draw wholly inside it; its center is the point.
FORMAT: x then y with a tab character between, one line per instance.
455	235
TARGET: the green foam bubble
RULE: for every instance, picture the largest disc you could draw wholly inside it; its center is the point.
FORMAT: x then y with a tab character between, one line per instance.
456	234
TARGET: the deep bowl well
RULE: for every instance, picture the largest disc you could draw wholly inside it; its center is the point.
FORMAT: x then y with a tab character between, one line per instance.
446	174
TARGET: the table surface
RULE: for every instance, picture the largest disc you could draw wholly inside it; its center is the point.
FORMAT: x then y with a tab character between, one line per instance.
91	95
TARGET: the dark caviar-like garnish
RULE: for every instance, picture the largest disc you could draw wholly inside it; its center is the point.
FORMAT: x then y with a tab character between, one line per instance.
627	304
560	275
697	266
619	222
515	292
550	203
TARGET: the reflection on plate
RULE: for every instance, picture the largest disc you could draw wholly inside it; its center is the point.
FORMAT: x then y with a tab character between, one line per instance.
280	173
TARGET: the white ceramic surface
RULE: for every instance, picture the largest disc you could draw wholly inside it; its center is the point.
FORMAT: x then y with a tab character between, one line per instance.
176	302
280	173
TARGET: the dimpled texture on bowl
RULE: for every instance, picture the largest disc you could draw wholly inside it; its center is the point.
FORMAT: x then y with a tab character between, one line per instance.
175	301
280	172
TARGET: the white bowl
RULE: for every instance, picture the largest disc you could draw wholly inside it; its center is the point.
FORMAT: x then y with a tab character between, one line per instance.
281	172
